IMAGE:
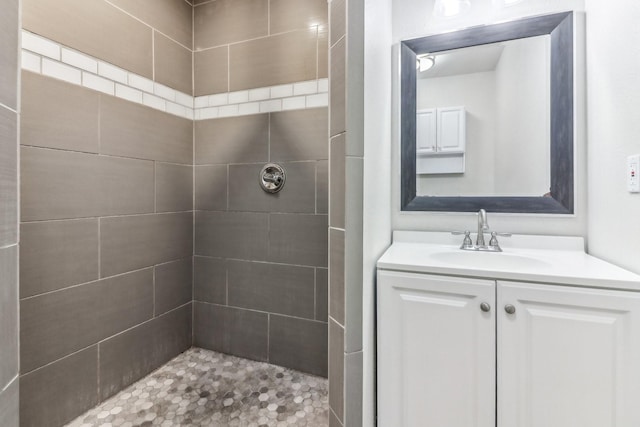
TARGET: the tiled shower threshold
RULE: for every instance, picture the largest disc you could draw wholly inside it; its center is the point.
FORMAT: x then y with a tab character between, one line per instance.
205	388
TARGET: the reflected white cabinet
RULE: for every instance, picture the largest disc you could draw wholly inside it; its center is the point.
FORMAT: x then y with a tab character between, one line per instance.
440	140
566	356
441	130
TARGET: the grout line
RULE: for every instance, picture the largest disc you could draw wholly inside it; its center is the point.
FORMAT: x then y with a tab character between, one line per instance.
315	293
146	24
263	312
8	108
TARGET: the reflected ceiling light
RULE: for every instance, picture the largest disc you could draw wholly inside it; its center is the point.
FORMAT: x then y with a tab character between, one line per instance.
450	8
425	62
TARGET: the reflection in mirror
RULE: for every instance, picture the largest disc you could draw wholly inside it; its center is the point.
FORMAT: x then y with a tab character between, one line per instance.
500	94
487	118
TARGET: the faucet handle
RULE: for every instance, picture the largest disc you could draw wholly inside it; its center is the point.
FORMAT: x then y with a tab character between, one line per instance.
467	237
494	237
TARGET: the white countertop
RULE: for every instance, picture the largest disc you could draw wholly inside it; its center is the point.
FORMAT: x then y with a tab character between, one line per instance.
543	259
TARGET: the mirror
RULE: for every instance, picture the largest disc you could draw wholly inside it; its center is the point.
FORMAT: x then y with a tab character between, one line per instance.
487	118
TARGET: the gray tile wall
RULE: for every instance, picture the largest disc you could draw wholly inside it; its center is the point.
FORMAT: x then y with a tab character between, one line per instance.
260	267
157	34
244	44
107	246
9	118
346	30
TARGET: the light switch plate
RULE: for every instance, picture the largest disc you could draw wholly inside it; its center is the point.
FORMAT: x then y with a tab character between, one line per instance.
633	172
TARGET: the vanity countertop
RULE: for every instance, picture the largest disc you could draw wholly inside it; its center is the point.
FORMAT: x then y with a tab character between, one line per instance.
544	259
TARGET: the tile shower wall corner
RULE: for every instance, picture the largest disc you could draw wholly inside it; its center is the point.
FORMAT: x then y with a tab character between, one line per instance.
261	259
245	44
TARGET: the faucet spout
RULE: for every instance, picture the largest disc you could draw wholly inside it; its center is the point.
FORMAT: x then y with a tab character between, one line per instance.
483	225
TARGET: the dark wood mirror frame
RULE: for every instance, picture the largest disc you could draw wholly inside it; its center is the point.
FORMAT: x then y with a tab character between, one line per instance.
561	201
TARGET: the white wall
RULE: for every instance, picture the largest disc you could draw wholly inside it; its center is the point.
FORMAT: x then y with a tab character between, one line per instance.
476	92
613	81
413	18
377	183
523	103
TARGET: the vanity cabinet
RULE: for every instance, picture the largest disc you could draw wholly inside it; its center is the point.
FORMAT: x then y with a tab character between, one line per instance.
554	355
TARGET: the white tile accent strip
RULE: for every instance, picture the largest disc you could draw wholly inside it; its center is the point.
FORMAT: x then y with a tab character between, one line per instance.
44	56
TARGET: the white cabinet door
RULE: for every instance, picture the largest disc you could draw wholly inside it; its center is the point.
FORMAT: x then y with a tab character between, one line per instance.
436	351
568	357
426	131
451	126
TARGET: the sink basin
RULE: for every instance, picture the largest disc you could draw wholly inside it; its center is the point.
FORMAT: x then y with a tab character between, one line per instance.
488	260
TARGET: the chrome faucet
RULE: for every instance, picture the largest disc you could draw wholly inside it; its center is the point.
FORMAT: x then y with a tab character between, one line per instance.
483	226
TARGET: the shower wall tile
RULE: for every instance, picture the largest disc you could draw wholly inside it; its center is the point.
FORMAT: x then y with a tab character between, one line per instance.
229	21
57	254
129	356
56	324
299	135
273	288
62	184
172	285
210	280
232	140
322	294
322	187
239	235
132	130
133	242
96	28
353	374
337	146
239	332
58	184
323	53
211	187
171	17
298	239
57	393
8	315
9	404
338	21
9	22
246	195
338	83
336	275
211	71
252	64
172	62
174	187
57	114
336	369
8	177
298	343
287	15
117	195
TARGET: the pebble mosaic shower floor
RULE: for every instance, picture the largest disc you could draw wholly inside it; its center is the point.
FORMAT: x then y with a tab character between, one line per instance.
205	388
